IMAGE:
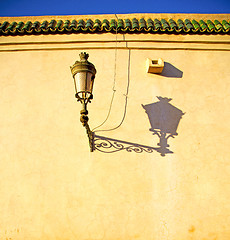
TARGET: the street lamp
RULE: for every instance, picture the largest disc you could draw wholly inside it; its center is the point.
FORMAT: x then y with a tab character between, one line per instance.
83	74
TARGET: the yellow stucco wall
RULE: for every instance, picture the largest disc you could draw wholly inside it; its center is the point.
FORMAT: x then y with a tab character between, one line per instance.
52	187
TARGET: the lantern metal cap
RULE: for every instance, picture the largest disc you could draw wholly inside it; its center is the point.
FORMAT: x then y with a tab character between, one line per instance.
83	65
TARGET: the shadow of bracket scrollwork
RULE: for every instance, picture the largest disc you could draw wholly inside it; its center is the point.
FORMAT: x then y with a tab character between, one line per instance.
110	145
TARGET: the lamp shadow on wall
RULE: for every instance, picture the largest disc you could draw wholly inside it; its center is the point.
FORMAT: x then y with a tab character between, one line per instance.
170	71
164	120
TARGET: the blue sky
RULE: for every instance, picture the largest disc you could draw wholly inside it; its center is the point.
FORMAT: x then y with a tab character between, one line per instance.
80	7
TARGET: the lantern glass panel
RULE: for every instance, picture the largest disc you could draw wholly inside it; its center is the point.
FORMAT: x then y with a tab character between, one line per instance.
84	84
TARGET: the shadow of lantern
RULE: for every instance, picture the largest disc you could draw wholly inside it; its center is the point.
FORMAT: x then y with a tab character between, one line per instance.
164	119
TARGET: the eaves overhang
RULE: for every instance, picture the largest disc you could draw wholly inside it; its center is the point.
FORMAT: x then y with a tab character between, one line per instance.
121	23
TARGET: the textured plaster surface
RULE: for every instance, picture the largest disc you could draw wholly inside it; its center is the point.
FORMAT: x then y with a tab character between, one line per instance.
52	187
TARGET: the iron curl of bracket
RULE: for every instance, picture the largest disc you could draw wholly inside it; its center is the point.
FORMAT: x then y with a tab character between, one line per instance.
107	145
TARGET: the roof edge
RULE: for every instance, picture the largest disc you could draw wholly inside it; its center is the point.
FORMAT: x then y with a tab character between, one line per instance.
166	16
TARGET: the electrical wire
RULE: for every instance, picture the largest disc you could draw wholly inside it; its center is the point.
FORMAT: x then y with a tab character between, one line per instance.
114	83
114	90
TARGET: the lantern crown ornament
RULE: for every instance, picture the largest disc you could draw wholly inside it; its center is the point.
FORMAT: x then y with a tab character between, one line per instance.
84	73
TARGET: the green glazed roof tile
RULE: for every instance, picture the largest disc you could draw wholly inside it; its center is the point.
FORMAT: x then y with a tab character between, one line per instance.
11	26
66	24
172	24
195	25
52	24
19	26
188	26
35	25
142	23
150	24
73	24
211	26
113	24
128	24
59	25
218	25
89	24
203	25
135	23
226	25
44	25
157	24
165	24
180	24
3	26
120	24
105	25
81	24
27	26
97	24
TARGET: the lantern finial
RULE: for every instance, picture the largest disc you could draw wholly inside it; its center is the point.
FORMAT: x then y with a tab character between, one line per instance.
84	56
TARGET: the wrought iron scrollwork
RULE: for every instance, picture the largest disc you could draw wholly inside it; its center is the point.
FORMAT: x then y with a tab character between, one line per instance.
109	145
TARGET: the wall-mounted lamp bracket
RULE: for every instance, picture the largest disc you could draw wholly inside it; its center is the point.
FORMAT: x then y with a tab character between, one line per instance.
83	74
84	120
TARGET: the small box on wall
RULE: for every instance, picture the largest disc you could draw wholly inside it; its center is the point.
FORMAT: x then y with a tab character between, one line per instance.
154	66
